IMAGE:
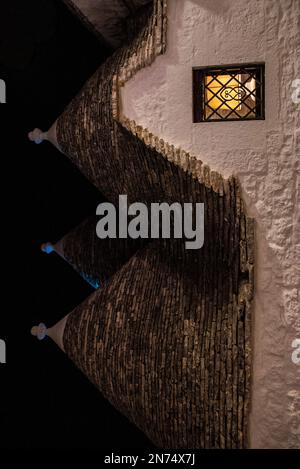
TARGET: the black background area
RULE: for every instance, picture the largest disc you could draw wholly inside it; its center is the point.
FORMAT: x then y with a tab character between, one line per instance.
46	55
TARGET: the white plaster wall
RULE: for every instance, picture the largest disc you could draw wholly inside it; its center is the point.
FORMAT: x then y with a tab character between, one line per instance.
266	157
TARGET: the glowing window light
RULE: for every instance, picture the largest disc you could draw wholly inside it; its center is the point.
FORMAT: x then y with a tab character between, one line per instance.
223	92
234	92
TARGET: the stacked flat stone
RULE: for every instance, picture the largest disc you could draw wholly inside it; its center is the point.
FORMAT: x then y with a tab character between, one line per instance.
106	18
96	260
168	339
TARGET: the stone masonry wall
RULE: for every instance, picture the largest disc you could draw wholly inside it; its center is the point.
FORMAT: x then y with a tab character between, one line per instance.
168	339
264	155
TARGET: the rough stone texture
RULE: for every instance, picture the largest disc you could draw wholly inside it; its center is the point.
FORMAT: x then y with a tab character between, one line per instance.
96	260
167	340
265	155
106	17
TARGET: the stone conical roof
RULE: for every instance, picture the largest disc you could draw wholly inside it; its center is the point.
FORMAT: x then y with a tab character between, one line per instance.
168	339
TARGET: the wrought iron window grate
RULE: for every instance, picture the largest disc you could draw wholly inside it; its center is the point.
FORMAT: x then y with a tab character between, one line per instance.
226	93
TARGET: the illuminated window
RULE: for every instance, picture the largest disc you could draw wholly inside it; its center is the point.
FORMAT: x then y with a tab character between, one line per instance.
229	93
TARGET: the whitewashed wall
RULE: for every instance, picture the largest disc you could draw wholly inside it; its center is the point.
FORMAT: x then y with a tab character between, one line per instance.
266	157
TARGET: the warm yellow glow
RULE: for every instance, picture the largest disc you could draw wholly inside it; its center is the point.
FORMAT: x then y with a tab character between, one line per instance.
251	85
227	91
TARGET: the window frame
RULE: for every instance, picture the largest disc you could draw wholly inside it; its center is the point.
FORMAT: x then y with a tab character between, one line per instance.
199	74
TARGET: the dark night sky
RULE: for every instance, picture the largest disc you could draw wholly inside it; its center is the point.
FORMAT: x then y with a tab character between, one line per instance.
45	57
